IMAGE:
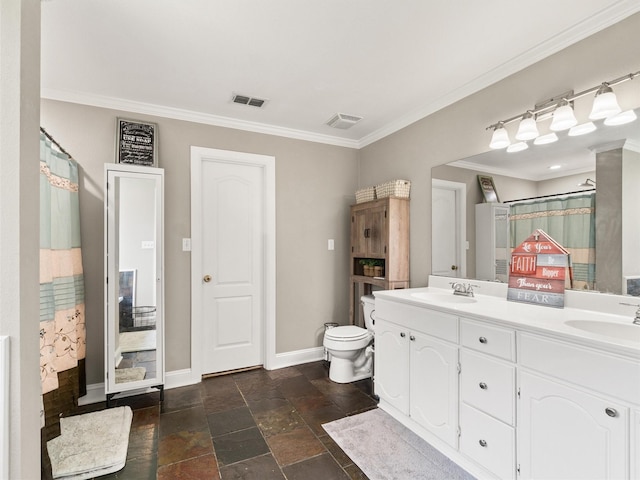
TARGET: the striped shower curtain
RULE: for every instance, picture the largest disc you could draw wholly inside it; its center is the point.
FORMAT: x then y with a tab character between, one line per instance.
62	321
570	221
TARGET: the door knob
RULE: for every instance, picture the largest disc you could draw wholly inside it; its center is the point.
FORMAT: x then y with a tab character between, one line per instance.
207	278
454	267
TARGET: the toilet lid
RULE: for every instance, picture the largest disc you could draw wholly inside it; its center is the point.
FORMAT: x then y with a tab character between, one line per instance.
347	332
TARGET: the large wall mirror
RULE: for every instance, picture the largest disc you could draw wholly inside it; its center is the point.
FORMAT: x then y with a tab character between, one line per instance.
609	158
134	318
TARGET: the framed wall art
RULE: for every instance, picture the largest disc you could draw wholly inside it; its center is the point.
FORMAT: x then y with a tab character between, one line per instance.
136	142
488	189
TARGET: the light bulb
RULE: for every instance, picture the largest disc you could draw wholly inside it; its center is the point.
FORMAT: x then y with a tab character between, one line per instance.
517	147
500	137
563	117
582	129
527	130
605	104
545	139
627	116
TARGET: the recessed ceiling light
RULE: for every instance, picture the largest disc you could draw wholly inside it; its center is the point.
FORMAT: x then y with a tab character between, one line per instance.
555	167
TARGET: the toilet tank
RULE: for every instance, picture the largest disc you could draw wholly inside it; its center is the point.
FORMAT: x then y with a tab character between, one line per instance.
368	311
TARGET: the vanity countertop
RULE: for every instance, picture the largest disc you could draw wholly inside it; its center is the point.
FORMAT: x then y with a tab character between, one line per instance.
617	333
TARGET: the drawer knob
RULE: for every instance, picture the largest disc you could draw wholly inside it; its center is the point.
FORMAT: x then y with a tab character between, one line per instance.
612	412
483	385
482	340
483	443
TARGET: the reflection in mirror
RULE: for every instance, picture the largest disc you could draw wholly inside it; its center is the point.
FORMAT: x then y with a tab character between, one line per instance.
134	262
544	175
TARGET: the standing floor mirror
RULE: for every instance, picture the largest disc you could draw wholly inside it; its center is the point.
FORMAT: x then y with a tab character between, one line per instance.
134	283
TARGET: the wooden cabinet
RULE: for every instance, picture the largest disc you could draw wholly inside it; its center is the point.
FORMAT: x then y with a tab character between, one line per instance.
379	232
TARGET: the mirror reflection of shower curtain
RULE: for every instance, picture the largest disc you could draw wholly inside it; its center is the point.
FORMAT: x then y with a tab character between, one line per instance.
569	220
62	311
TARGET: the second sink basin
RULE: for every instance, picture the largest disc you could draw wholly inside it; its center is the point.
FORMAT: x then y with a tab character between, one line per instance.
622	331
443	297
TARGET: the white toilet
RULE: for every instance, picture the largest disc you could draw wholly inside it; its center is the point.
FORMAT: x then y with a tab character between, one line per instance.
350	348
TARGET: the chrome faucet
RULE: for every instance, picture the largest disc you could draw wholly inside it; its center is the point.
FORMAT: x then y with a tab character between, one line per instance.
460	288
636	320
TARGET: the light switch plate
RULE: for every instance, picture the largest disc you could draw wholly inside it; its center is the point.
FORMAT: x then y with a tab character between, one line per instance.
186	244
330	244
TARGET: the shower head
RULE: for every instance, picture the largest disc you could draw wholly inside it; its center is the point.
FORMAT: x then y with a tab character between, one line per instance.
588	183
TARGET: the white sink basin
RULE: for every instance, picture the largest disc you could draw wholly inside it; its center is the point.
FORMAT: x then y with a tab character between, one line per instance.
443	297
622	331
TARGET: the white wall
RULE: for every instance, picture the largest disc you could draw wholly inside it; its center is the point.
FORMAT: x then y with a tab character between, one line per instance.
19	226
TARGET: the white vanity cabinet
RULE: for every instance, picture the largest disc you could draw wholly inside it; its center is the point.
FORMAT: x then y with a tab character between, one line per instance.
573	411
487	396
417	366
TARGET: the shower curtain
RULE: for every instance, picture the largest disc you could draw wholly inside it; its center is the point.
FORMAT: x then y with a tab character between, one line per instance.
62	321
570	221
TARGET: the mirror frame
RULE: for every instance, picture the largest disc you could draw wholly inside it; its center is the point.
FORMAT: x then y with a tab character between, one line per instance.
111	312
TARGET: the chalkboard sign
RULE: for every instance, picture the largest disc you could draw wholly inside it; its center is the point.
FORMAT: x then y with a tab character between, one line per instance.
136	143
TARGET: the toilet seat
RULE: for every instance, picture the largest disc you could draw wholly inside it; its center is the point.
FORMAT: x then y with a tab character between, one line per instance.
347	333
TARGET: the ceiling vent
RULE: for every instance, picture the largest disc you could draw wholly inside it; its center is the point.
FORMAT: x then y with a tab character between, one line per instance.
343	121
246	100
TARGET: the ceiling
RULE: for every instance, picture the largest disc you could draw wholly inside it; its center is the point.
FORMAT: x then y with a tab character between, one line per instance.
389	62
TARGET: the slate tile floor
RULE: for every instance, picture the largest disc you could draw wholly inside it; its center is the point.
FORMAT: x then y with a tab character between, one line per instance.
252	425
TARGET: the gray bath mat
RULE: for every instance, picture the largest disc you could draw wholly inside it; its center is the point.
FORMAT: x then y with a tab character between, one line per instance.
91	444
133	374
384	449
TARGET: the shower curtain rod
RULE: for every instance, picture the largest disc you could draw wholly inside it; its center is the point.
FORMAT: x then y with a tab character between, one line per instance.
550	196
53	140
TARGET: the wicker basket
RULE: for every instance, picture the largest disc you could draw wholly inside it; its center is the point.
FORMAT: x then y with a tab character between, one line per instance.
394	188
365	194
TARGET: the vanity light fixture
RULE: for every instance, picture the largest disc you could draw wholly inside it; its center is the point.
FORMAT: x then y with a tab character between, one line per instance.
517	147
560	108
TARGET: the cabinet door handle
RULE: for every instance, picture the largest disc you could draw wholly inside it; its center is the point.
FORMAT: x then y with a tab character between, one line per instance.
366	233
483	443
482	340
402	334
412	338
483	385
612	412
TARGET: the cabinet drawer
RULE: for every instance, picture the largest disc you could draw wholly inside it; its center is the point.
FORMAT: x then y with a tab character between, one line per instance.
488	385
487	441
419	319
603	372
497	341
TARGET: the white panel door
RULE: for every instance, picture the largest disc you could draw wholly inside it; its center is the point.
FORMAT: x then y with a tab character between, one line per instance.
232	290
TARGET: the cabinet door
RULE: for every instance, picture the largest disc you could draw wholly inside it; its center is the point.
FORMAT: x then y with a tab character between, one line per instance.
434	386
635	444
377	233
567	433
392	365
358	233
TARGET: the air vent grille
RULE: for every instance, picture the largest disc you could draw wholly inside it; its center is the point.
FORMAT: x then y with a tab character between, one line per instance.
247	100
343	121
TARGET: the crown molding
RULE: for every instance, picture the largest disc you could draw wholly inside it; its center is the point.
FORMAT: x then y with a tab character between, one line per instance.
599	21
191	116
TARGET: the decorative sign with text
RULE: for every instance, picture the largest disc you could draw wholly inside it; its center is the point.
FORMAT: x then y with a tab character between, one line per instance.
539	269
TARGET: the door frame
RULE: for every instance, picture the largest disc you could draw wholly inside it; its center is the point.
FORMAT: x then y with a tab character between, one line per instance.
460	190
268	164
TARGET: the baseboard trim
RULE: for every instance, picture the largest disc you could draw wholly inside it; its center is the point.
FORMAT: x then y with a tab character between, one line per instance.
184	377
297	357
